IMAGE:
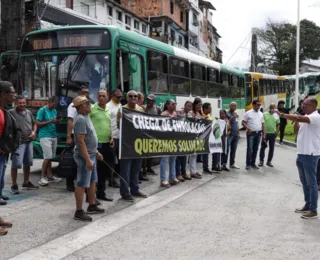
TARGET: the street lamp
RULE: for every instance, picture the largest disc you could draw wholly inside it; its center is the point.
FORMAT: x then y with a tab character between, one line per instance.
297	57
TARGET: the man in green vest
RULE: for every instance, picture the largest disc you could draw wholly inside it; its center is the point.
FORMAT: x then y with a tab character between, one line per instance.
271	126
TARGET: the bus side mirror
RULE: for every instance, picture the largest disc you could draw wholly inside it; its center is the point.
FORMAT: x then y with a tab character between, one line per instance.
132	63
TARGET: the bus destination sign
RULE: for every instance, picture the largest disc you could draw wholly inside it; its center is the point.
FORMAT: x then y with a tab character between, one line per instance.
68	40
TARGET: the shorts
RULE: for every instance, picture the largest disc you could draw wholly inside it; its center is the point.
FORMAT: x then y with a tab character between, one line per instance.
49	147
24	154
84	177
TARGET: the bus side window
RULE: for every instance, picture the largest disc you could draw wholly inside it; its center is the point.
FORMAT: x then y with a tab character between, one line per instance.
136	75
198	83
179	77
157	72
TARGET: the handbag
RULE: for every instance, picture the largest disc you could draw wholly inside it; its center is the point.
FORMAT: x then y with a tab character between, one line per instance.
66	163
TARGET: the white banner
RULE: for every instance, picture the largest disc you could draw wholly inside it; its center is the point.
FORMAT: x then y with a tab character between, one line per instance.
215	143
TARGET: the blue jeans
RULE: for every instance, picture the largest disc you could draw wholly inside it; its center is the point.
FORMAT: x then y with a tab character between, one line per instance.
129	172
253	142
232	146
205	161
307	167
172	168
216	159
84	177
3	166
271	140
181	165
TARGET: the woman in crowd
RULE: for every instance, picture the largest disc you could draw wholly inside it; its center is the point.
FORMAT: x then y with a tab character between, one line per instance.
181	161
169	111
196	114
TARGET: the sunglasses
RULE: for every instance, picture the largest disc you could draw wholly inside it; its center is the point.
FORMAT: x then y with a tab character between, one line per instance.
133	96
118	97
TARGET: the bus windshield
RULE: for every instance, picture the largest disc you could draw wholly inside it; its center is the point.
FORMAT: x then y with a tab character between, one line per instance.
62	75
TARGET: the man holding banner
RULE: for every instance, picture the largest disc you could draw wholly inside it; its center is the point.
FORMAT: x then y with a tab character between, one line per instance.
130	168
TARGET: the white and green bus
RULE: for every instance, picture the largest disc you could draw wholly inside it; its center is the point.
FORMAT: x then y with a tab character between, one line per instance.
58	61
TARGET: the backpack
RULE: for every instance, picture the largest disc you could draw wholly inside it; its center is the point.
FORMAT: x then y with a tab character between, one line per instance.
10	140
66	163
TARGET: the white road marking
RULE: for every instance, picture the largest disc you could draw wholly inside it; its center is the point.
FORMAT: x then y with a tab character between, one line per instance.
65	245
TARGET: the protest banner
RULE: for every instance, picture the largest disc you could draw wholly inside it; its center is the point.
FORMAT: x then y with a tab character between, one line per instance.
215	142
144	135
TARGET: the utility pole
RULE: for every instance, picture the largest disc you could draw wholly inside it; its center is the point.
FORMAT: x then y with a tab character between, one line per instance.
12	24
254	51
297	56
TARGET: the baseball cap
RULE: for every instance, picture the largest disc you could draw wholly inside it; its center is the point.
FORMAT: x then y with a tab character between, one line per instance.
151	97
79	101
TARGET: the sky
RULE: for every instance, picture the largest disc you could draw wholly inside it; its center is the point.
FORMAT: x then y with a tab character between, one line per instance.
234	20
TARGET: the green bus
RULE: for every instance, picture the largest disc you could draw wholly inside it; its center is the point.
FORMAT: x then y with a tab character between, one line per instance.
58	61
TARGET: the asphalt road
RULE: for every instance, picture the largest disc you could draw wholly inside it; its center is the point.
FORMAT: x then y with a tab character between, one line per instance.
236	215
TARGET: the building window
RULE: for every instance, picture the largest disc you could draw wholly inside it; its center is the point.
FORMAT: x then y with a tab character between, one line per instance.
119	16
110	11
171	7
173	36
180	40
195	19
136	25
128	20
84	8
144	28
181	16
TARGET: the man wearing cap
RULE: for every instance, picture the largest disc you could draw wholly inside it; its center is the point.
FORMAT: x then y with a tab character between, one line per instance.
85	155
72	112
151	109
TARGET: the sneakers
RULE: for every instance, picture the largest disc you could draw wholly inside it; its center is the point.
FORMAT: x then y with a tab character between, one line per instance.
82	216
53	179
3	231
310	215
28	186
260	164
2	202
254	167
248	167
304	209
206	170
139	194
165	184
43	182
94	209
196	175
186	177
15	189
128	198
151	171
174	181
234	166
225	168
269	164
180	178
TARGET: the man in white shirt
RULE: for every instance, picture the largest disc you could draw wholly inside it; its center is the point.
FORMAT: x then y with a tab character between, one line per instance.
253	122
308	146
72	113
114	106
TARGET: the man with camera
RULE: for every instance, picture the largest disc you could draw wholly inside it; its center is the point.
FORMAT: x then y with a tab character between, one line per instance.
271	127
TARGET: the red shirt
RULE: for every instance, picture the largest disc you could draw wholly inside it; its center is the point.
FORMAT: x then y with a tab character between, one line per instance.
2	121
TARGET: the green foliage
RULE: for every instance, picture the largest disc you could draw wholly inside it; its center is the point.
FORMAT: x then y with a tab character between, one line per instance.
278	48
289	134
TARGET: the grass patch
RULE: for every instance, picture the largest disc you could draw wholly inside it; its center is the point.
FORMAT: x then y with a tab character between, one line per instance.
289	134
317	97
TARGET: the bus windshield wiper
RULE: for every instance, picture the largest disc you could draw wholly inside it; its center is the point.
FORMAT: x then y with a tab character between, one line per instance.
73	69
41	71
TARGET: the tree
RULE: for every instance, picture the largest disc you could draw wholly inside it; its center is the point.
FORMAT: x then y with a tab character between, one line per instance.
278	45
